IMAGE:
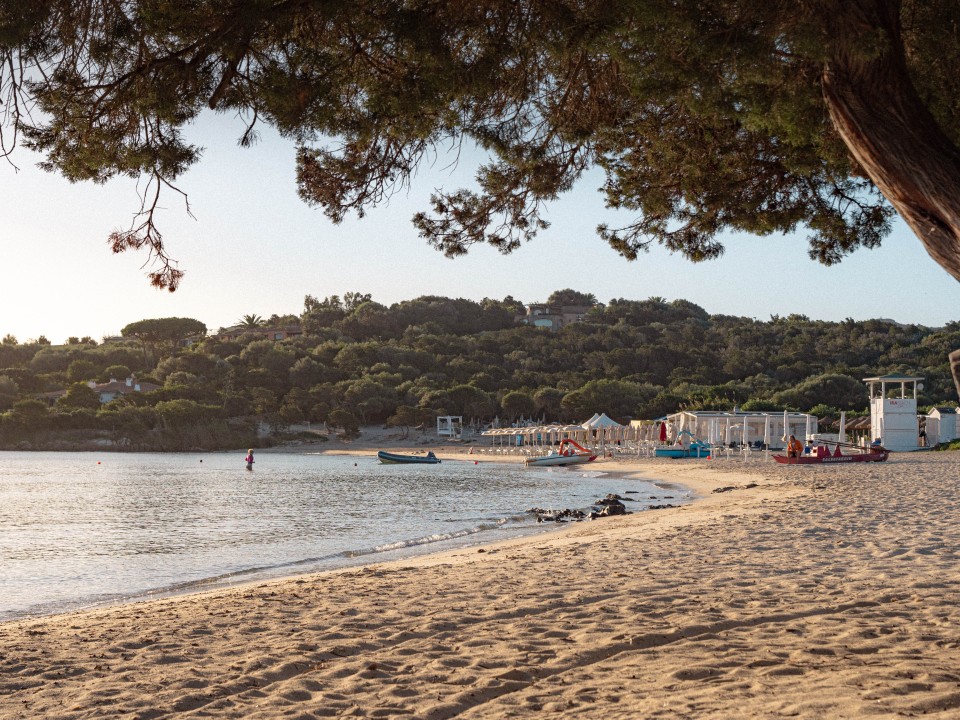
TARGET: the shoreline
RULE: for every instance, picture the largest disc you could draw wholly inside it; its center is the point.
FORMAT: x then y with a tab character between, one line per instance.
505	520
820	591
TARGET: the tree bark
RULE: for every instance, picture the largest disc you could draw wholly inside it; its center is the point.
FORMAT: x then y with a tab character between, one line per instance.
876	110
889	131
955	369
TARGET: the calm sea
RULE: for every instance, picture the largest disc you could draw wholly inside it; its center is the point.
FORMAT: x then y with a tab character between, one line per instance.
83	529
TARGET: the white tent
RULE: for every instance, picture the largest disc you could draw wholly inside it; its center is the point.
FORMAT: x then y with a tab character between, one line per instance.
600	421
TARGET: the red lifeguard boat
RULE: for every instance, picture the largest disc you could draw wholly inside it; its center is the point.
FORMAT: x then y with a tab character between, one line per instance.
821	455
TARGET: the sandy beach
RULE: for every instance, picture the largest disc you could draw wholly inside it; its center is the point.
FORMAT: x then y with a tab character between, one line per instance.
812	592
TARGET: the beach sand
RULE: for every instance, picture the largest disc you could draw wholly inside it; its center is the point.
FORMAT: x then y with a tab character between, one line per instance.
811	592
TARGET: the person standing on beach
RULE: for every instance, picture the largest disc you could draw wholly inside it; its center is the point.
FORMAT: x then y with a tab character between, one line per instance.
249	459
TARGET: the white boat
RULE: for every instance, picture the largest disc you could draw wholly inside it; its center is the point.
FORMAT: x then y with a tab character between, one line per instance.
569	453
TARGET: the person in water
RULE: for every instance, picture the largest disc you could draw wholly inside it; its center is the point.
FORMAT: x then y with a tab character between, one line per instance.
249	459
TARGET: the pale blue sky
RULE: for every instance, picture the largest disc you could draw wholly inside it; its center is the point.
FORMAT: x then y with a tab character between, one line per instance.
255	247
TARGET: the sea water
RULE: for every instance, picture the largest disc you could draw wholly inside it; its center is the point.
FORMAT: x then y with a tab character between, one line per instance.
84	529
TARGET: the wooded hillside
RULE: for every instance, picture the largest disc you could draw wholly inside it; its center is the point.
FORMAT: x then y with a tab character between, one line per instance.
365	363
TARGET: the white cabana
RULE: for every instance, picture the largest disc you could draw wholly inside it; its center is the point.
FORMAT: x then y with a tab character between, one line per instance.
516	439
738	427
600	421
602	429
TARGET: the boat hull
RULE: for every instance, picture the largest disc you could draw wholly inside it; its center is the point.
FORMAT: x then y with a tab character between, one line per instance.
570	452
559	460
694	451
832	459
394	459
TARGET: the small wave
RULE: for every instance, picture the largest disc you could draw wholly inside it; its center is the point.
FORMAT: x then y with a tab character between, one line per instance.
430	539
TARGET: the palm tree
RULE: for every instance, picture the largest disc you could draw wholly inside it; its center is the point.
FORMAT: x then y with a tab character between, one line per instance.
252	321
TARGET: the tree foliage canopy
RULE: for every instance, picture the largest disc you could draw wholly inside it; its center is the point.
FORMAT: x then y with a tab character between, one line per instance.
746	114
164	330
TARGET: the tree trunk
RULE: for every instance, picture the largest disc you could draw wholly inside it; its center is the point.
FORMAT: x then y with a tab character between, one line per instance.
889	131
955	368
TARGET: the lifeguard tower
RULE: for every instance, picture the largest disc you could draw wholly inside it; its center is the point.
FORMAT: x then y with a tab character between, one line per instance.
893	420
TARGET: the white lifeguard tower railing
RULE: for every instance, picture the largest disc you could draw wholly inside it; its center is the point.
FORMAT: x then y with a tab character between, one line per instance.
893	420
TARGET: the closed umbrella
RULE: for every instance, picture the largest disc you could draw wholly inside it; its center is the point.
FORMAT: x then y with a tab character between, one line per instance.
843	426
746	433
808	428
786	426
766	431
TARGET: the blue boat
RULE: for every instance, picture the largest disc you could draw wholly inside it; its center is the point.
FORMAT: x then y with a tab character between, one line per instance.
394	459
696	449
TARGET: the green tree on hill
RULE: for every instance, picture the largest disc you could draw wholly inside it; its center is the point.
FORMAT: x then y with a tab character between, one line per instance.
163	334
571	297
252	322
744	115
80	395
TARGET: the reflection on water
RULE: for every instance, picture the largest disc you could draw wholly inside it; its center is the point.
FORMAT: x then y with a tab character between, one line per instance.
81	528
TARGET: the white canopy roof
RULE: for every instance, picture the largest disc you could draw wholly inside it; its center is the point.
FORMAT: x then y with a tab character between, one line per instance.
601	421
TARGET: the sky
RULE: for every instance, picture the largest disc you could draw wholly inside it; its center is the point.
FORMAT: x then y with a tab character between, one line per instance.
253	247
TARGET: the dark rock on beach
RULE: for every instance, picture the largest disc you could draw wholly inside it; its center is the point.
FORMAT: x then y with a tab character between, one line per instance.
610	505
557	515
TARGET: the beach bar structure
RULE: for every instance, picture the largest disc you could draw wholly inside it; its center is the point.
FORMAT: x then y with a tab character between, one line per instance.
893	411
738	427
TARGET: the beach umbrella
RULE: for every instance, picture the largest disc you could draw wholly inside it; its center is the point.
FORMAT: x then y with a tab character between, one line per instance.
663	431
766	431
786	426
842	436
